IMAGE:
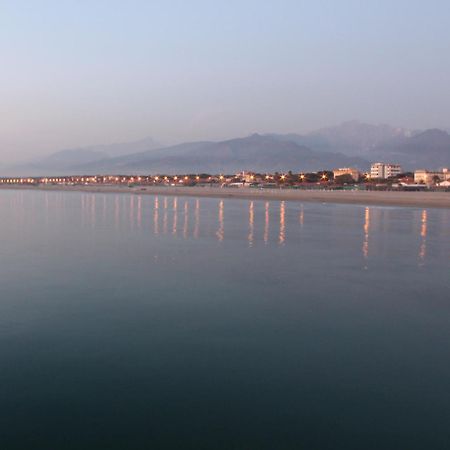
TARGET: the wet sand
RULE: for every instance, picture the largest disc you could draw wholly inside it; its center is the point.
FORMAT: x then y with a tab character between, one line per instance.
386	198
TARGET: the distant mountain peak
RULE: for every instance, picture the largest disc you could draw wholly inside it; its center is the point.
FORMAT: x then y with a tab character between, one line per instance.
350	144
429	149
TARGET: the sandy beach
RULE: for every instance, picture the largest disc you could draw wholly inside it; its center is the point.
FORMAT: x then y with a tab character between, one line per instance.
387	198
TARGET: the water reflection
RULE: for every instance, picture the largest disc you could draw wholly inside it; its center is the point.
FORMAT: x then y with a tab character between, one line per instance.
251	223
266	222
148	296
197	218
156	216
423	235
220	231
175	215
165	206
282	234
131	212
186	219
365	247
139	212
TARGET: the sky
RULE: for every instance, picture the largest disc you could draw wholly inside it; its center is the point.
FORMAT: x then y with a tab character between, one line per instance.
77	73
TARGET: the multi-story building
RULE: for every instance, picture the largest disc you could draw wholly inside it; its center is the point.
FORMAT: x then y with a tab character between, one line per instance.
431	177
382	170
354	173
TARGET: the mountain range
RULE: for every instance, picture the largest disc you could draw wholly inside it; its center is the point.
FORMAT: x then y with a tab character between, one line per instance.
351	138
352	144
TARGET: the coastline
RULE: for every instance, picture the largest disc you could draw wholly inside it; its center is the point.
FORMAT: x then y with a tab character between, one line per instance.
381	198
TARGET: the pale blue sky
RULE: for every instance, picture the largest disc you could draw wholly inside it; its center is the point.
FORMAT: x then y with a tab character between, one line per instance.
84	72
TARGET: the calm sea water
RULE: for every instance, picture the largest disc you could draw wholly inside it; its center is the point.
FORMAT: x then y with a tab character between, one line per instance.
140	322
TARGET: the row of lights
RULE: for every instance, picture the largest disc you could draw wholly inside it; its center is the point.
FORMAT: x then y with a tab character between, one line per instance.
127	179
95	179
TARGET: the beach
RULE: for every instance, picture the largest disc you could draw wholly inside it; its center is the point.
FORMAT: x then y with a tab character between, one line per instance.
382	198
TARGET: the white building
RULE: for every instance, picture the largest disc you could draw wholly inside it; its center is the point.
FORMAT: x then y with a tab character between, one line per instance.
354	173
382	170
431	177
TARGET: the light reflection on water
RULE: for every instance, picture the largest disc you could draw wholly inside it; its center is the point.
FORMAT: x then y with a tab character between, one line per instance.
161	214
268	316
156	216
366	232
220	232
175	215
423	235
186	219
261	217
266	221
251	223
282	235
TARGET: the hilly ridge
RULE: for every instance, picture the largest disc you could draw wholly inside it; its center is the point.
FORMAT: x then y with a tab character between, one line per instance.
349	144
427	150
256	152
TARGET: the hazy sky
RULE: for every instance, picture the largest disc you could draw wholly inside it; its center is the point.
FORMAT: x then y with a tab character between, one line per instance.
87	72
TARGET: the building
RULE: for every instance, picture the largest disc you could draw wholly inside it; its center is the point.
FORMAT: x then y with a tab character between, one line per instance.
382	171
354	173
249	177
431	177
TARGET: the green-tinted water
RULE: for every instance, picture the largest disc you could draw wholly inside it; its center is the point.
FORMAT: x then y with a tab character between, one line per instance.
131	322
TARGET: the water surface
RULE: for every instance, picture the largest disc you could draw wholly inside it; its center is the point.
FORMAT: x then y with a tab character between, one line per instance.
143	322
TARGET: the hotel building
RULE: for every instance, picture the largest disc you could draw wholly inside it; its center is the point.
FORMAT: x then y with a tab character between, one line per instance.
354	173
430	177
382	170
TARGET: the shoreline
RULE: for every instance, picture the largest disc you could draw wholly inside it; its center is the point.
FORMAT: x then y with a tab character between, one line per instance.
381	198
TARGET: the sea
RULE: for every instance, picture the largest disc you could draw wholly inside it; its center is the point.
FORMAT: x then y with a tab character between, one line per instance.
134	321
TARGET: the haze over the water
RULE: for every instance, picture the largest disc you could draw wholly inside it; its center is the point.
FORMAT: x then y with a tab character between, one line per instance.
75	73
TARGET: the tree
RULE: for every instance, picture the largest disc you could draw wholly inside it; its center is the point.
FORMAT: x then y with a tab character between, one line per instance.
436	179
346	178
312	177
